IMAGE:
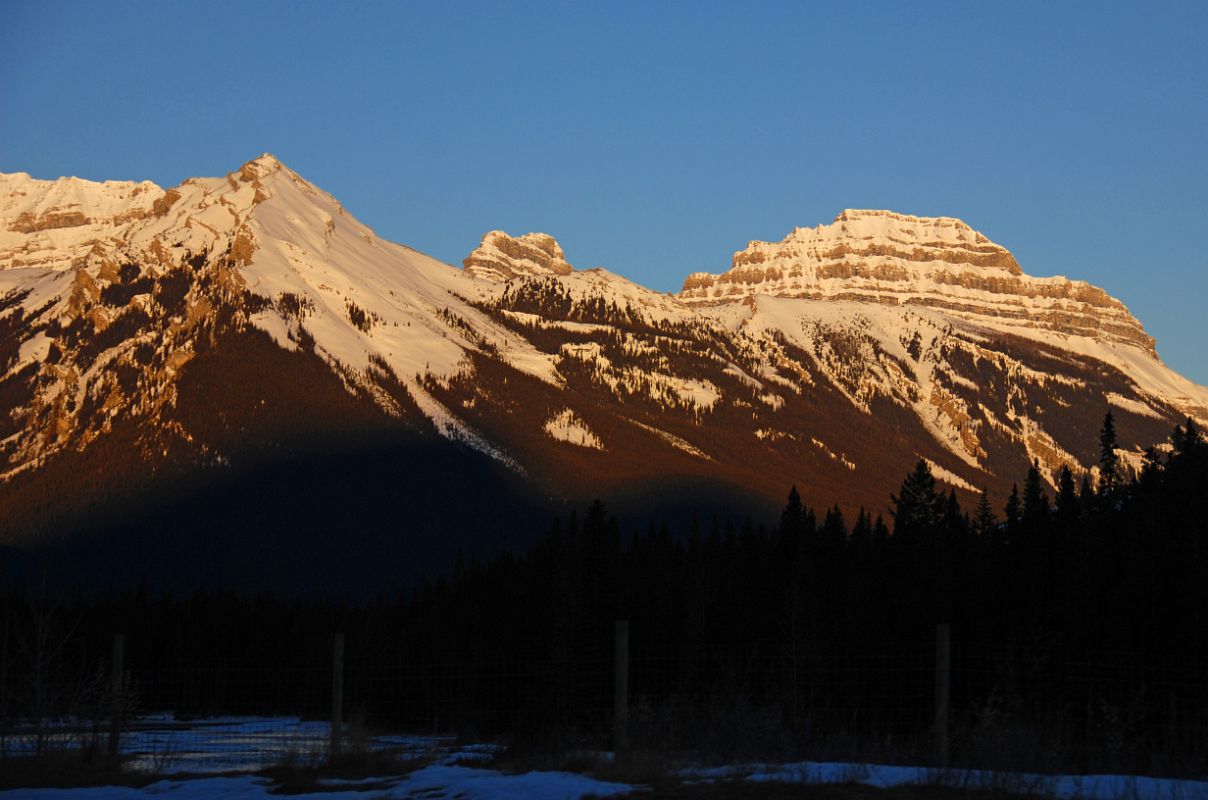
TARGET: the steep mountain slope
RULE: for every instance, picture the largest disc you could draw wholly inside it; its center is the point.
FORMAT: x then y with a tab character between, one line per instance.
953	328
155	341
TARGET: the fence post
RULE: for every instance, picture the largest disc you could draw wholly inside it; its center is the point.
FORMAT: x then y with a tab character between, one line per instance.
337	696
620	687
943	663
117	690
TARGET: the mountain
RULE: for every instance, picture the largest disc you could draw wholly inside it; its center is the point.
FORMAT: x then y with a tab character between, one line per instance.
161	346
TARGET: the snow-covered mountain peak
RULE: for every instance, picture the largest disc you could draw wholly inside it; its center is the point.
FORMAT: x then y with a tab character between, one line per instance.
259	167
886	258
915	247
124	304
886	220
889	227
501	257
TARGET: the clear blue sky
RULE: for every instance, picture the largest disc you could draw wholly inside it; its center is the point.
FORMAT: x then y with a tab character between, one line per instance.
657	138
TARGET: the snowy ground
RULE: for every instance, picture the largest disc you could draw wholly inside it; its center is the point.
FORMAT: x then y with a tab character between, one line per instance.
431	783
444	782
159	744
1060	787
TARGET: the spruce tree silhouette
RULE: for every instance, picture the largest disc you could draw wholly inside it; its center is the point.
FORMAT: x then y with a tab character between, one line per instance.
833	534
1109	462
1068	509
861	533
917	507
792	525
985	523
1035	501
1013	511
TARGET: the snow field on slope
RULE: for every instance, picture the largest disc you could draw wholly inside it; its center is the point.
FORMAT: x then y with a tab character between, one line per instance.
566	426
801	320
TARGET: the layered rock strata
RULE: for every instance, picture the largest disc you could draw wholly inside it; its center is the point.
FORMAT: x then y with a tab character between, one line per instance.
501	257
934	262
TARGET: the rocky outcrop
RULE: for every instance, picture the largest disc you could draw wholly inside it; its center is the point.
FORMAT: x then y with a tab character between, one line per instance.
57	223
501	257
934	262
28	223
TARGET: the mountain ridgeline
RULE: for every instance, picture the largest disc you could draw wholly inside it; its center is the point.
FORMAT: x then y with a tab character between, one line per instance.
236	364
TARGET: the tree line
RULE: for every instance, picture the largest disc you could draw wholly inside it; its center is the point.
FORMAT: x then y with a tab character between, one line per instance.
1077	609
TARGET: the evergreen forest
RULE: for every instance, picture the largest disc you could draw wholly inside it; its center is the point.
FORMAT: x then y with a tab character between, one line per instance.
1077	610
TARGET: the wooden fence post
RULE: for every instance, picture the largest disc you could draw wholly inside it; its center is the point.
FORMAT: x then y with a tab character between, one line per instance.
620	688
943	669
337	696
117	690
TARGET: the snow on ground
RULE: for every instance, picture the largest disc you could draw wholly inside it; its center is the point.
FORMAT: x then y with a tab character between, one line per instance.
452	427
226	745
1060	787
568	427
160	744
433	783
232	745
949	477
1128	404
674	441
444	782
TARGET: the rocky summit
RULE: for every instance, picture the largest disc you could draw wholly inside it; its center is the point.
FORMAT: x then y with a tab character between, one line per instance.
926	262
501	257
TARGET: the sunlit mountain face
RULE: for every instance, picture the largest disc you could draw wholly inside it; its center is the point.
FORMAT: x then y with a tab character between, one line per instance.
242	344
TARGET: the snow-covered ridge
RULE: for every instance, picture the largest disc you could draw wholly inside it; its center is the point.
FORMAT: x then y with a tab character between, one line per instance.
920	313
260	246
937	262
52	223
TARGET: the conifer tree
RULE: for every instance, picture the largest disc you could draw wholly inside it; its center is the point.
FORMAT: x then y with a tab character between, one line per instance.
984	521
792	523
1192	439
1109	462
1186	439
917	508
1086	494
946	556
1035	501
1013	512
954	521
1068	507
834	529
880	531
861	532
1151	467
